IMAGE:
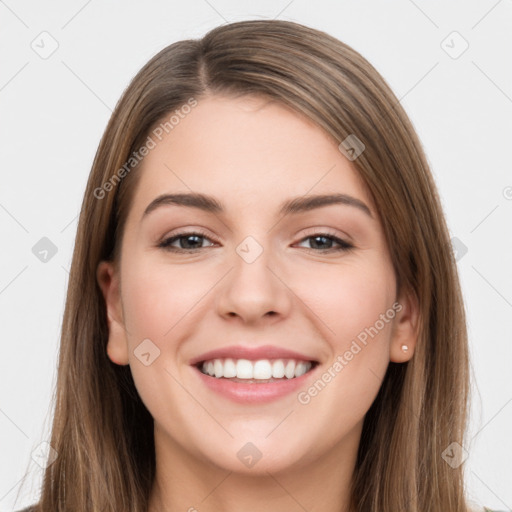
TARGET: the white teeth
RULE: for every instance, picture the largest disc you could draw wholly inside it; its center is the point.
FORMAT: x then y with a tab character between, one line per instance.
217	368
278	369
263	369
244	369
229	368
289	370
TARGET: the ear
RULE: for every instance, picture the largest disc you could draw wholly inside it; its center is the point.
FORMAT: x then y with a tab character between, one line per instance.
108	280
405	328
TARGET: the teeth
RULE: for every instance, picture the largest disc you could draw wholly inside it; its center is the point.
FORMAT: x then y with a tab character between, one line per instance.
244	369
289	370
229	368
300	369
217	368
278	369
263	369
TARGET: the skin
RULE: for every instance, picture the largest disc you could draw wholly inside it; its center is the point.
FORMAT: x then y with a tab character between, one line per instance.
252	154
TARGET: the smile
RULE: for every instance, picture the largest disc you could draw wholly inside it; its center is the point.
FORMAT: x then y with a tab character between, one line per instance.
255	382
260	371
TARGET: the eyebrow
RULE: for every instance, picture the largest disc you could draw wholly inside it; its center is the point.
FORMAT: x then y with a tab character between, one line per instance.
295	205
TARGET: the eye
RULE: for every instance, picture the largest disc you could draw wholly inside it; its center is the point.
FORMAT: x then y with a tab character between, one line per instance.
189	241
327	239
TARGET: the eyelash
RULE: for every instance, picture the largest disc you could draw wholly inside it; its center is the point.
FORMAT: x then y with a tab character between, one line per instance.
165	244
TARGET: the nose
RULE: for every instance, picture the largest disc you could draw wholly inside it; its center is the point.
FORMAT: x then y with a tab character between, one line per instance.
254	291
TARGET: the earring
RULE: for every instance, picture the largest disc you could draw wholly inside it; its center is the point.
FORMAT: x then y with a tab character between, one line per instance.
405	348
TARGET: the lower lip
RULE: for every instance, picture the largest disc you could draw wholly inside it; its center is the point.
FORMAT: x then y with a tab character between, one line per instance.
253	392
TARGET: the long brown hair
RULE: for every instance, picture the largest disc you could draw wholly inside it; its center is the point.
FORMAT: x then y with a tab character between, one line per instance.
102	432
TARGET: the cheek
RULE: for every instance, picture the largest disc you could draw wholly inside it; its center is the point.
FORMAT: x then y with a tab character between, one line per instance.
350	298
355	305
157	297
157	302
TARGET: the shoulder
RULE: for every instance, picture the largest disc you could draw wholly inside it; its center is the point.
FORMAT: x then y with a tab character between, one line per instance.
28	509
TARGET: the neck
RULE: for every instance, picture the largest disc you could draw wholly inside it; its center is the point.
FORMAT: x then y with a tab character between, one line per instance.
183	483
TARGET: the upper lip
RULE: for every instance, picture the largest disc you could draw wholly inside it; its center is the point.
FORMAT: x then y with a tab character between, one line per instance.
251	353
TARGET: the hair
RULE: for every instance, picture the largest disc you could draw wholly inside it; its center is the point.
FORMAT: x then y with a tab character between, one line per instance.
103	433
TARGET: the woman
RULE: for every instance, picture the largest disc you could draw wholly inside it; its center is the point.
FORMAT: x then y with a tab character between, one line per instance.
210	360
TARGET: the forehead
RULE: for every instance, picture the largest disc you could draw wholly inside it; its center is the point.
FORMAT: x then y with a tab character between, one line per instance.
246	151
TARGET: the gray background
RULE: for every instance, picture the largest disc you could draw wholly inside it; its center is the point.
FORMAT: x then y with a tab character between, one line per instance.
54	110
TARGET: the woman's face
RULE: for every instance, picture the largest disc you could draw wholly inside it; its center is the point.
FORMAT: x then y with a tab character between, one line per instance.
252	281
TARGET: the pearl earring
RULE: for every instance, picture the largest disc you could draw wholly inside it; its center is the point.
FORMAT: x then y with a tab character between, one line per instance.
405	348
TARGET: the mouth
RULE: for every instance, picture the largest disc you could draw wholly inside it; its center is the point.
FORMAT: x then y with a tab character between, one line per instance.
261	371
252	375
